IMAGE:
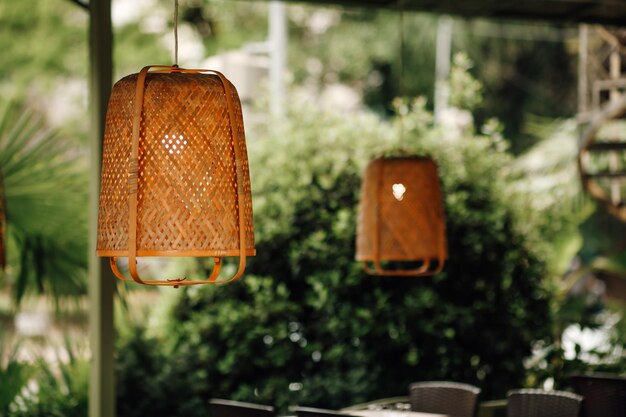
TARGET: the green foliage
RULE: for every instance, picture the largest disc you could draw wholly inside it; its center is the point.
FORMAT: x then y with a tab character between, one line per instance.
225	25
62	392
14	374
40	389
158	380
547	176
52	41
46	192
465	90
527	69
134	49
307	326
584	241
332	51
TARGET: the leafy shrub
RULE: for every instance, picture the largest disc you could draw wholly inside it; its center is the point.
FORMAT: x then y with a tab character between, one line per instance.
307	326
14	374
45	192
59	390
151	382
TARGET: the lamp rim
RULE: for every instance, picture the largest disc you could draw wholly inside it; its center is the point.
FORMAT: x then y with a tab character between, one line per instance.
177	253
410	156
371	258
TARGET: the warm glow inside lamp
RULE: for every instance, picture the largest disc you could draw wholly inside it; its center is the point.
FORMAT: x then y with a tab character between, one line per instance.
401	218
175	178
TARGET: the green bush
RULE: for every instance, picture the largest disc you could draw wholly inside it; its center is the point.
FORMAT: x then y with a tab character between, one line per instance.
14	374
147	380
307	326
59	390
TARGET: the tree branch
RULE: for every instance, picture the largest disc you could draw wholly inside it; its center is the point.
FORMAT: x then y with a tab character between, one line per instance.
81	3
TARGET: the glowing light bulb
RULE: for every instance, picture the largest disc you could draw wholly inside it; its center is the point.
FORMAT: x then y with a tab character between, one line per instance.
398	191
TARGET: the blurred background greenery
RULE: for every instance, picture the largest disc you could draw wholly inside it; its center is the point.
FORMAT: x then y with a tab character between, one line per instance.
520	297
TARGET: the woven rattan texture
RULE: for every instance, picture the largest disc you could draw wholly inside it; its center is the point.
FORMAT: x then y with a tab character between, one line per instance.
402	197
187	188
604	396
442	397
539	403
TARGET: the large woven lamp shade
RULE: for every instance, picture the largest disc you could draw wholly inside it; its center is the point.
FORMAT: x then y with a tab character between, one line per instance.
175	179
401	219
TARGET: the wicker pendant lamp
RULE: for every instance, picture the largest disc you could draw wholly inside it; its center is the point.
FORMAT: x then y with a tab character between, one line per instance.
401	221
401	217
175	179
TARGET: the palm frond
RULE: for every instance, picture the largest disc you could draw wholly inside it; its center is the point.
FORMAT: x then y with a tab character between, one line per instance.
46	194
14	374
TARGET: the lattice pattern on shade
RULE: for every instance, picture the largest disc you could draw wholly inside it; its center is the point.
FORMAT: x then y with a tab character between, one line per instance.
401	217
187	197
188	190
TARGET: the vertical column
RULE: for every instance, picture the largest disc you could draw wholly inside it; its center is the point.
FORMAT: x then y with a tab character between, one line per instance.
615	72
615	69
101	281
583	80
278	56
442	65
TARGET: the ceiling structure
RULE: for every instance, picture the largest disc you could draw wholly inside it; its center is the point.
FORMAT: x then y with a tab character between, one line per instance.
606	12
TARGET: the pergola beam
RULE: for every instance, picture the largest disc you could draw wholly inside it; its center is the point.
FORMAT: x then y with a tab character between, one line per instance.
606	12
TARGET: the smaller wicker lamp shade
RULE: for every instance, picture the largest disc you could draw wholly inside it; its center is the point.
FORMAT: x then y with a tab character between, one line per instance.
175	178
401	217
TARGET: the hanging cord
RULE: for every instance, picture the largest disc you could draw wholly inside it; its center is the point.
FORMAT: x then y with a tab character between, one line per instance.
175	33
402	48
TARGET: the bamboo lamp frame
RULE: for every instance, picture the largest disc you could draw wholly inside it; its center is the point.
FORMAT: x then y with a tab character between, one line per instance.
181	185
401	217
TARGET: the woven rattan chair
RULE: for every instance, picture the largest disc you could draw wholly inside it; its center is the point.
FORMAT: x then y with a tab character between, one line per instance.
227	408
540	403
316	412
443	397
604	395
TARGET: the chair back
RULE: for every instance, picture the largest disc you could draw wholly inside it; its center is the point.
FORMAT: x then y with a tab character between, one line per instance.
316	412
604	394
540	403
444	397
228	408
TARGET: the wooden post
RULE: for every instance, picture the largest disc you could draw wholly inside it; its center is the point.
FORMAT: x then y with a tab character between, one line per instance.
583	80
278	56
442	65
101	281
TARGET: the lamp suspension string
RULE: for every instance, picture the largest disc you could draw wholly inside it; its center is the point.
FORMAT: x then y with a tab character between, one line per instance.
175	33
402	48
402	109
